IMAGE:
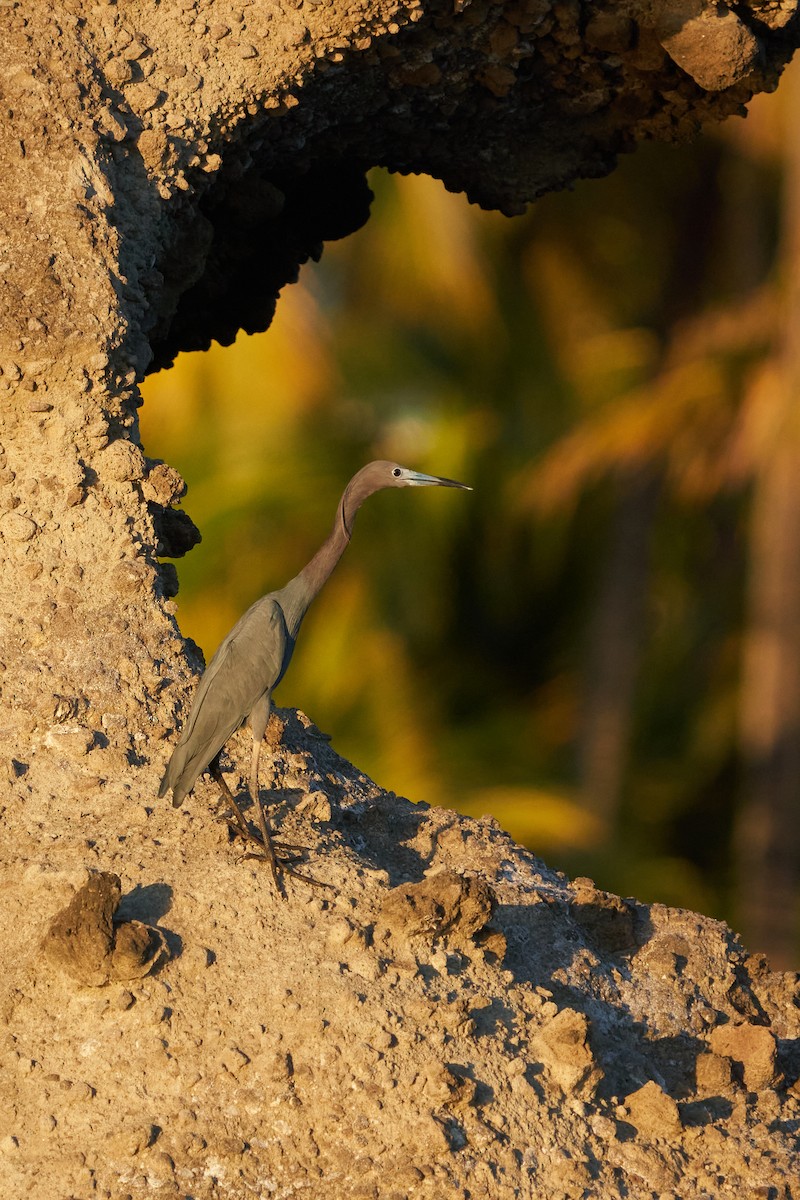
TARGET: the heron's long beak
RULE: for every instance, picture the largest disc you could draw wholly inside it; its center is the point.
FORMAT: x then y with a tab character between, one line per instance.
416	479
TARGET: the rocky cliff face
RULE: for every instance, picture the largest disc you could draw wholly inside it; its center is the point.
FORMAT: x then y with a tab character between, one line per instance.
451	1017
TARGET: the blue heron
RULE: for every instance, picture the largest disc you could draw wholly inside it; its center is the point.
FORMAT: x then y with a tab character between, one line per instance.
252	660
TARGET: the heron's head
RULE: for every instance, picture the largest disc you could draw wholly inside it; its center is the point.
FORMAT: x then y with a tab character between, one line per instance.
393	475
382	474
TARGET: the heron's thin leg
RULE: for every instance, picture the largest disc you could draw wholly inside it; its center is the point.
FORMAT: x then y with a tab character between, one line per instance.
239	825
227	794
269	850
278	866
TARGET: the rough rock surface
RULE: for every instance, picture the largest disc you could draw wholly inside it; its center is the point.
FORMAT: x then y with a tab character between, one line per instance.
454	1019
199	150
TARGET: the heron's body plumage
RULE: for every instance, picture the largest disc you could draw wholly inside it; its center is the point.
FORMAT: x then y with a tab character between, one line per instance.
249	663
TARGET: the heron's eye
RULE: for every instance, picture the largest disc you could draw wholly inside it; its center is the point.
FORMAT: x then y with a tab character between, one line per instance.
397	472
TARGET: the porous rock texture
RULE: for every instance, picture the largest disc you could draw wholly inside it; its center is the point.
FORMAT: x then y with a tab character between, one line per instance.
455	1020
452	1018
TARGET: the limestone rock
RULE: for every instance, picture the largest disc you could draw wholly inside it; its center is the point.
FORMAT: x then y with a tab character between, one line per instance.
563	1047
708	41
653	1113
750	1046
84	940
443	905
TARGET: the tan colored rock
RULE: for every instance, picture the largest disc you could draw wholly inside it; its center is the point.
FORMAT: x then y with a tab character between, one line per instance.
562	1046
17	527
774	13
607	919
713	1074
752	1047
122	461
443	905
72	741
708	41
648	1168
84	941
653	1113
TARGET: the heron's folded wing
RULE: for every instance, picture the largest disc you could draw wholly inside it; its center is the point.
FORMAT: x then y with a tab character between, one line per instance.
248	663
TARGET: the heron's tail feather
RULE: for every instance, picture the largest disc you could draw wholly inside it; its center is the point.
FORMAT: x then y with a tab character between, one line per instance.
183	770
176	768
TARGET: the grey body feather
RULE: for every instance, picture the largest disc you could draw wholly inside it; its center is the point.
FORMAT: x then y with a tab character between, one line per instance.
249	663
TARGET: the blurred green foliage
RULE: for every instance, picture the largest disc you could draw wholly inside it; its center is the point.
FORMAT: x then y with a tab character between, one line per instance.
583	366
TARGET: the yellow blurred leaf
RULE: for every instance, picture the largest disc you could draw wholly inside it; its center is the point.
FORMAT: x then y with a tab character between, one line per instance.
543	820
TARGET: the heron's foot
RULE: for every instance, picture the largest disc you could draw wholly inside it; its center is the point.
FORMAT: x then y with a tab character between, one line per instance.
235	820
280	855
283	865
287	849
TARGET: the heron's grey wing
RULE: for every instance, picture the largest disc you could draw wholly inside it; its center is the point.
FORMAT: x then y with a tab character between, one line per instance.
249	663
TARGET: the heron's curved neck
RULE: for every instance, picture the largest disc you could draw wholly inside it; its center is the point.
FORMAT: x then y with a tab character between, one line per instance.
301	591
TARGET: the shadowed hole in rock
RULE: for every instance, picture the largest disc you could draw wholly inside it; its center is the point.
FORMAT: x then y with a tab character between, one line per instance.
696	1113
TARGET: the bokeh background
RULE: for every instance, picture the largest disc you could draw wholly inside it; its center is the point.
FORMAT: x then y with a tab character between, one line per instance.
601	645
